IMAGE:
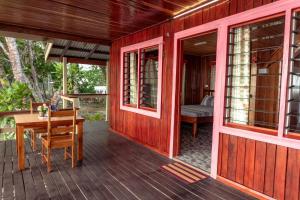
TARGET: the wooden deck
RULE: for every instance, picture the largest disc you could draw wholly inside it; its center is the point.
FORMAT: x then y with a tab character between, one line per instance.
113	168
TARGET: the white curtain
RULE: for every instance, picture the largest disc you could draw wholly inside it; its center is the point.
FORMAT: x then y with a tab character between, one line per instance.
133	78
240	76
150	82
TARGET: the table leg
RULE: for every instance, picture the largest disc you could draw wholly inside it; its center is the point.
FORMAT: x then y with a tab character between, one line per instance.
20	143
80	141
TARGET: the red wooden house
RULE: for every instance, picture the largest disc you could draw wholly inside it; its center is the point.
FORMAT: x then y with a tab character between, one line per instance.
220	74
255	142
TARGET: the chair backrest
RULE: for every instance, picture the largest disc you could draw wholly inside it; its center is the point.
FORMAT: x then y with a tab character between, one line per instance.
57	126
35	105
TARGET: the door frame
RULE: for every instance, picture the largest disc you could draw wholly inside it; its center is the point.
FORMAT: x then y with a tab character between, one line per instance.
179	83
222	25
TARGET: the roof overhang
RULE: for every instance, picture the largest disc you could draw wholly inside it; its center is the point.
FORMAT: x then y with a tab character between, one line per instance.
77	52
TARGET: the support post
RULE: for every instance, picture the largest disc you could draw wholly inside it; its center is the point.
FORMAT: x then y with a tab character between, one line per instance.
107	92
65	80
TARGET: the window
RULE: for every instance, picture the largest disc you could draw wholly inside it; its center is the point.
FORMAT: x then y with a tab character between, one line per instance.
141	83
293	105
212	77
130	78
149	77
254	73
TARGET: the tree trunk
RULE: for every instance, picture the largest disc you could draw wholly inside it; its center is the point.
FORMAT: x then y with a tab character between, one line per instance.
2	76
33	71
15	61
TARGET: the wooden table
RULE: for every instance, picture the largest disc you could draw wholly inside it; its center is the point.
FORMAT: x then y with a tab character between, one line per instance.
27	121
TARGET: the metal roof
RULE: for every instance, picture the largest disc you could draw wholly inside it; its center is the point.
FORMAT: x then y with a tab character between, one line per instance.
77	52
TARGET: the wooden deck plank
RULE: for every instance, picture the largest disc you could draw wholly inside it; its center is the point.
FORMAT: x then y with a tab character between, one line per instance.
125	150
7	175
210	194
17	176
30	190
2	153
113	168
110	187
49	182
146	165
83	182
72	189
147	179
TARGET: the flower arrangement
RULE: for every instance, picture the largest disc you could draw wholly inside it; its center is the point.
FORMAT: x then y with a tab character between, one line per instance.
42	110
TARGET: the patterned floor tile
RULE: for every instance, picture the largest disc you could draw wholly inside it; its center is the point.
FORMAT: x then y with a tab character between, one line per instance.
196	151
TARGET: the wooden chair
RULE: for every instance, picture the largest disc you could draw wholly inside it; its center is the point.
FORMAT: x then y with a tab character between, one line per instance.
36	131
60	134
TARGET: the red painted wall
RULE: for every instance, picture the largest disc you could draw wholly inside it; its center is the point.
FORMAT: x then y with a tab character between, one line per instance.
149	131
267	168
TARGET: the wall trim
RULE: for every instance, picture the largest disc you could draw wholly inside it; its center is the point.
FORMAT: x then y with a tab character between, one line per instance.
243	189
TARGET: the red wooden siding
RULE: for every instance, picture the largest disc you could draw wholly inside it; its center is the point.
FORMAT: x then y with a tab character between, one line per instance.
196	77
152	132
270	169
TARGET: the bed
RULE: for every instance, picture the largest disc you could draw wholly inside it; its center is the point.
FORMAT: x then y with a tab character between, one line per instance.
200	113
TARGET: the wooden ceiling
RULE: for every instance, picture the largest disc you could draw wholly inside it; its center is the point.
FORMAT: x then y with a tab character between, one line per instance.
201	45
98	21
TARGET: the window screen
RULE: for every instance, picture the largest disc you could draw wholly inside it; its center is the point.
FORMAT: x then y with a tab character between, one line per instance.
130	82
293	106
149	77
254	73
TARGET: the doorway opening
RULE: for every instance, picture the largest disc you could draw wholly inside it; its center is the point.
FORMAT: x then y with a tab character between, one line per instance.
197	100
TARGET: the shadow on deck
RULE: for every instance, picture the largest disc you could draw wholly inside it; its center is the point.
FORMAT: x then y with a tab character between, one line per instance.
113	168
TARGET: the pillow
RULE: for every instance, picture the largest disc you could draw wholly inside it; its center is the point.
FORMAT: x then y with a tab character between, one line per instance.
208	101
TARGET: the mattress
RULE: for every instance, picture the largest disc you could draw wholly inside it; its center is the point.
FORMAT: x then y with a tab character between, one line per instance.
197	111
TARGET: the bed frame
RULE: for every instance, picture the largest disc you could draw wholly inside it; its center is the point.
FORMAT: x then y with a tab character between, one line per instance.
198	120
195	121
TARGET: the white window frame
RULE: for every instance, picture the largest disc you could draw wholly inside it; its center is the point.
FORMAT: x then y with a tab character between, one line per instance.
137	47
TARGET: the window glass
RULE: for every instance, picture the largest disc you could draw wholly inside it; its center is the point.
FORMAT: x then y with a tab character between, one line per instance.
254	73
293	108
130	78
149	77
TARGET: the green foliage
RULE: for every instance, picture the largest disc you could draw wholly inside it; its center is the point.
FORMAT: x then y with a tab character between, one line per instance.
12	97
94	116
89	78
81	78
7	122
8	136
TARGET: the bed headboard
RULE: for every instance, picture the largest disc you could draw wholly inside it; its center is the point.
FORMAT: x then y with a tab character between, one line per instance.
209	92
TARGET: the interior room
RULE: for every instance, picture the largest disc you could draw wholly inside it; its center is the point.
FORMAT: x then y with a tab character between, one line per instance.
197	99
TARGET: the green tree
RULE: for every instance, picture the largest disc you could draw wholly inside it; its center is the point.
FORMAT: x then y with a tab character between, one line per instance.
12	96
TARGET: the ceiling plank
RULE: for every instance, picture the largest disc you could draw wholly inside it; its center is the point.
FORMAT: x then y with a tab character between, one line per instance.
159	8
175	3
49	34
96	21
